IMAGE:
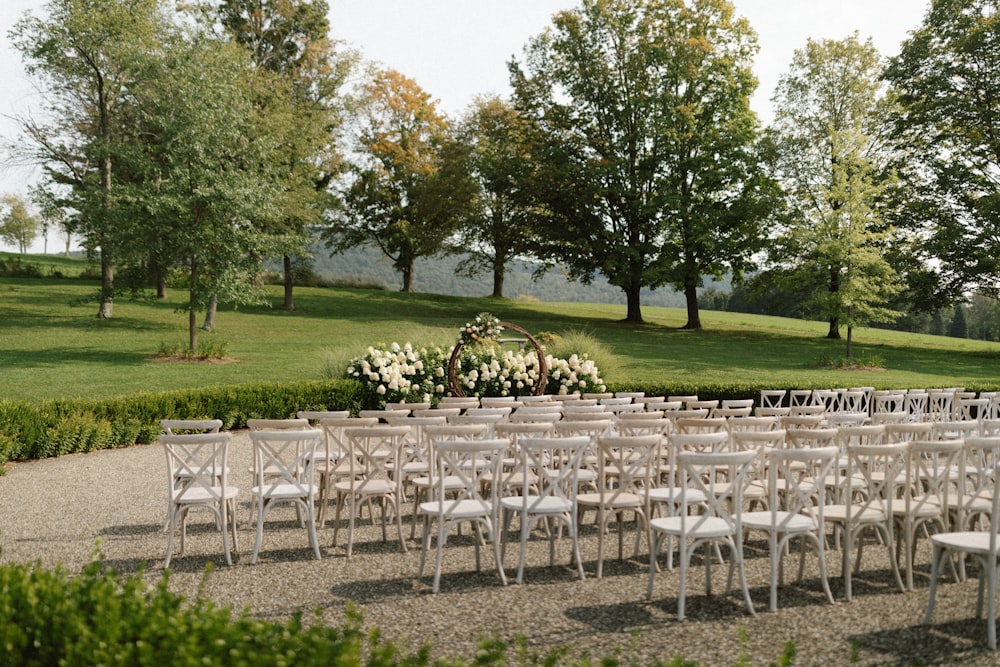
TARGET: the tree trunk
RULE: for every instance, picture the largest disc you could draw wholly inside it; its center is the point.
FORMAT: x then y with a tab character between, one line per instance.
69	242
161	284
850	342
105	309
694	315
408	277
289	301
213	305
192	319
834	332
633	306
498	275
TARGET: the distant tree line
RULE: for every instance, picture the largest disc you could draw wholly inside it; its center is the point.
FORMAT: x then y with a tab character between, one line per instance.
193	144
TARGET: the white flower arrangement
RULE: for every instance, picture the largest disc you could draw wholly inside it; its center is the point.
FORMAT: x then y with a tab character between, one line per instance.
398	374
485	327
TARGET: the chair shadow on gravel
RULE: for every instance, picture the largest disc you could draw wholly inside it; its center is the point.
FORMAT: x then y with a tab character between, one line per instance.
374	590
134	530
612	617
954	642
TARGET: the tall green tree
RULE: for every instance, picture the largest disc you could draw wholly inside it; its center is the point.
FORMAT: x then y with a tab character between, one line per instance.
947	77
407	186
86	57
18	226
300	76
502	223
646	142
828	110
203	194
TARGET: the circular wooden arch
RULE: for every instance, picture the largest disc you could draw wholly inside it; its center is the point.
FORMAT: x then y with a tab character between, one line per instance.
543	372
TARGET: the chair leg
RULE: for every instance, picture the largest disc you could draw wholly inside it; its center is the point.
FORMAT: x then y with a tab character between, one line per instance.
653	548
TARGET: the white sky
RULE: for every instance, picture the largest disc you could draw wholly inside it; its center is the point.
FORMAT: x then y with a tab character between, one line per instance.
456	49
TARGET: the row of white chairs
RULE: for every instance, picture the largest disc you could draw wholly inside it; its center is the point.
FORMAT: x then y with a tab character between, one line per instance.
614	484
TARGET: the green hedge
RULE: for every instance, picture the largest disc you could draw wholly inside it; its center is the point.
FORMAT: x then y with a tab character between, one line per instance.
52	428
48	617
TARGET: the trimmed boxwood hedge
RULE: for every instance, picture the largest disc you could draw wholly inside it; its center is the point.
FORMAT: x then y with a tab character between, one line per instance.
52	428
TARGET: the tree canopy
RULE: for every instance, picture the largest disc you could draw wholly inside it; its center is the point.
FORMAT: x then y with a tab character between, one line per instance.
406	188
645	143
948	129
828	245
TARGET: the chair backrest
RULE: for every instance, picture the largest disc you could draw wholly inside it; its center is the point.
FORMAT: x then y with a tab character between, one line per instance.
554	464
772	398
888	402
570	411
803	438
939	404
440	411
493	410
978	478
463	402
718	495
860	435
683	399
915	404
284	459
730	413
953	430
758	423
807	409
315	415
373	452
626	464
881	469
758	440
930	468
335	446
500	402
700	424
700	442
801	489
643	423
630	394
593	429
201	459
418	405
278	424
764	411
699	405
799	397
664	406
907	431
973	409
516	431
522	415
463	468
829	399
173	426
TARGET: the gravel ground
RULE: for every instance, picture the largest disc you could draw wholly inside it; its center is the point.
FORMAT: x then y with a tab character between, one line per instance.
56	510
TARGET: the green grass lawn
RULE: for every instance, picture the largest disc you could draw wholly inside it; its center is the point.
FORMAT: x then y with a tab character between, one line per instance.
52	345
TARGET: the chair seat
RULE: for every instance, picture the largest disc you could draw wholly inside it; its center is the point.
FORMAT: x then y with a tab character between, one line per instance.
697	527
789	523
281	491
451	482
457	509
550	505
859	513
977	542
198	495
672	494
374	487
621	501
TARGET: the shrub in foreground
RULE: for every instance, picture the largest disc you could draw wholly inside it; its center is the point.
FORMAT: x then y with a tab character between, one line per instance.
48	617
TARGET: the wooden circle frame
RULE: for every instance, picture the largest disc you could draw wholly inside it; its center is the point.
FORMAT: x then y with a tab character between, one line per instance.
455	387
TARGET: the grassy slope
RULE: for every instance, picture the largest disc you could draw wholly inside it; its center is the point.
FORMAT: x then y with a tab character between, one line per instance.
51	345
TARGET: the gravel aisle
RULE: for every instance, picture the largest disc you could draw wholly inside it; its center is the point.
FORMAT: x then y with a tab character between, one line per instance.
57	510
